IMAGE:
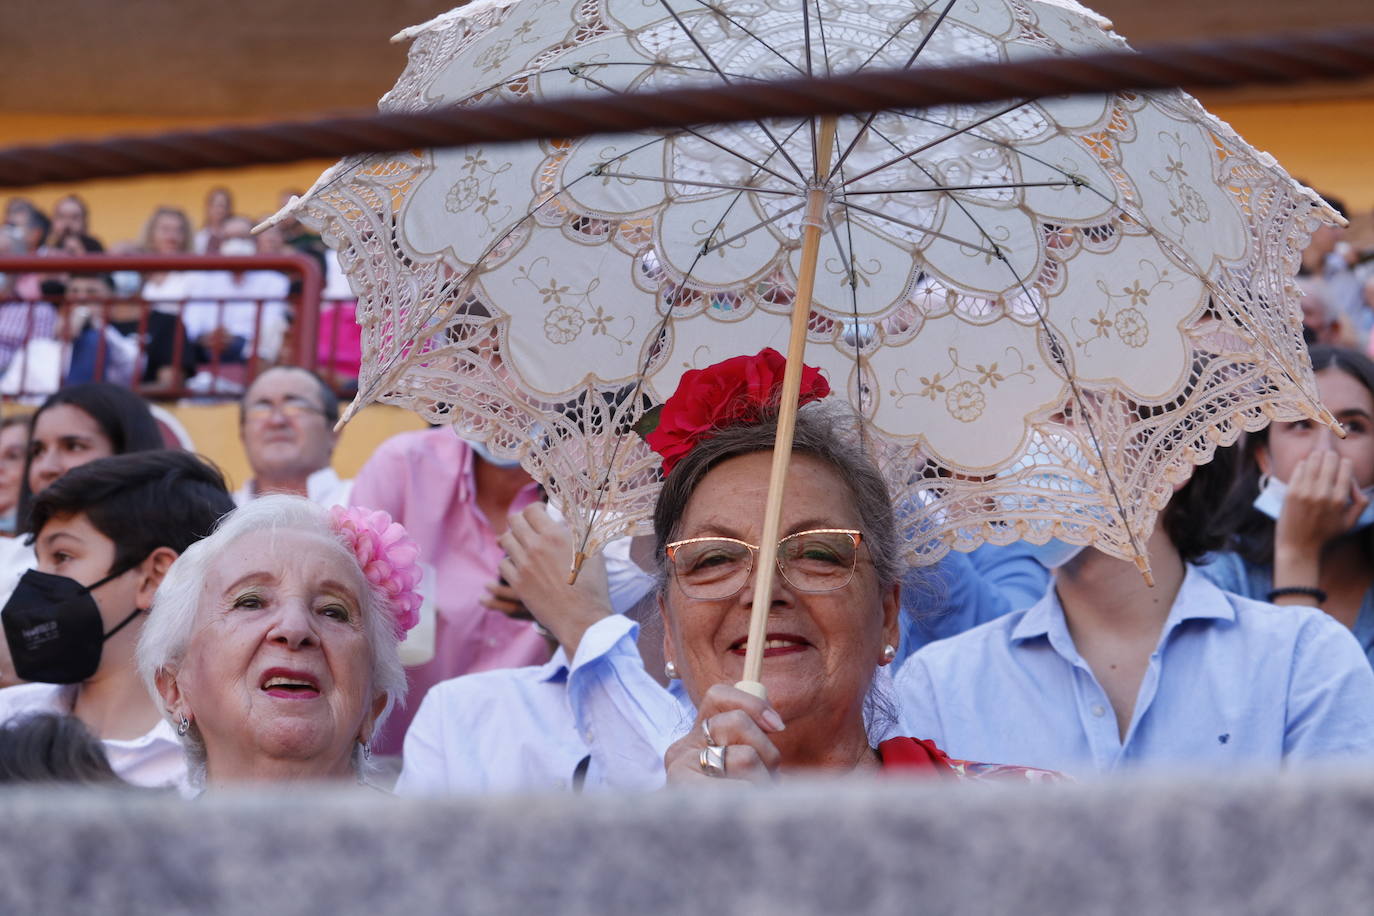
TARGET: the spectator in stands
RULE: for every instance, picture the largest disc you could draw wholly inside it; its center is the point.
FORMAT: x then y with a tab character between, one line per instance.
237	314
295	234
286	424
14	446
219	206
72	427
273	644
70	219
167	233
20	321
85	348
1105	673
454	498
1299	513
106	534
1331	258
27	228
140	345
591	716
48	747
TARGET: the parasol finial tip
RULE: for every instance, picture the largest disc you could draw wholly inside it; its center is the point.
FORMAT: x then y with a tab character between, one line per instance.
1142	563
578	560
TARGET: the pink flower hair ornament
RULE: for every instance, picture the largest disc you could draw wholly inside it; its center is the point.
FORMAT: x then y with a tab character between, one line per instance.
388	557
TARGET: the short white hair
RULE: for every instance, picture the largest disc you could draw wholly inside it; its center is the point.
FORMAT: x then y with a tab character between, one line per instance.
172	621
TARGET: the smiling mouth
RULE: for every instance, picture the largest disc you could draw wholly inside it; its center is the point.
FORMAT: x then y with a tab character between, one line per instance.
773	645
291	687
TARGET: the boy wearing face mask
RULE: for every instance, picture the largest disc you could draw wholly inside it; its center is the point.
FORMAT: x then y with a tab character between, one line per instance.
105	534
1106	673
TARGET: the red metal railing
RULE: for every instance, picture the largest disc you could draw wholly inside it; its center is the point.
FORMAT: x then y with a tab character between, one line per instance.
303	301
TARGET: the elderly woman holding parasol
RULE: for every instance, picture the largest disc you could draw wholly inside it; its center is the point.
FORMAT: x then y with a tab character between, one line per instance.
833	617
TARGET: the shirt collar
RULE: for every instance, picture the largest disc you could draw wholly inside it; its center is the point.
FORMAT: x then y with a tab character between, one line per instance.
1197	599
556	668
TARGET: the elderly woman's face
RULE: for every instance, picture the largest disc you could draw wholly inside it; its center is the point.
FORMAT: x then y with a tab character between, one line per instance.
279	665
822	647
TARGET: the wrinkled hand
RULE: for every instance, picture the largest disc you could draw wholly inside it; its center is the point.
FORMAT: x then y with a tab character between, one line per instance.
741	724
539	556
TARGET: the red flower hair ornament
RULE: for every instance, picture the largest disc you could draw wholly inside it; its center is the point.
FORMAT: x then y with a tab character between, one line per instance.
742	389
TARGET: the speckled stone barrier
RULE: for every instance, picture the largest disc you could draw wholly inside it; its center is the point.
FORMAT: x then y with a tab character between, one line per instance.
1249	847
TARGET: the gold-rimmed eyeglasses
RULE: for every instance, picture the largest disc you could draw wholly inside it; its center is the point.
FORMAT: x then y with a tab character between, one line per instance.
711	568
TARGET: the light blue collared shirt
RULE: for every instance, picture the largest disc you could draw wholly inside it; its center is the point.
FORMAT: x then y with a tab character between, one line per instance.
528	729
1232	682
1231	572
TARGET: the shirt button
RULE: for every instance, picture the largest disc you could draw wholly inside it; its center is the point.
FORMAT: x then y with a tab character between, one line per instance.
1099	711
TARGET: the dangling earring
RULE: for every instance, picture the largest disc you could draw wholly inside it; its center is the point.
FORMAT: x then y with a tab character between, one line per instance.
670	671
367	751
889	653
183	726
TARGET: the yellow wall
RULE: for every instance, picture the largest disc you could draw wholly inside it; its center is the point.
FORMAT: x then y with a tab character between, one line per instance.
1326	143
215	430
119	207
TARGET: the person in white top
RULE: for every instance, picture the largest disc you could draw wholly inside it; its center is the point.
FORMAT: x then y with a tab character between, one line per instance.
591	717
233	315
286	424
106	534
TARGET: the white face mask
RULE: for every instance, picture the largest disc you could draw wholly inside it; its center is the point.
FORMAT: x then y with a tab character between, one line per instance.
481	450
1273	491
238	248
1054	553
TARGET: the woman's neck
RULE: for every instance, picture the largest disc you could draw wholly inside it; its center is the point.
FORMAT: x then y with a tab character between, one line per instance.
838	743
247	768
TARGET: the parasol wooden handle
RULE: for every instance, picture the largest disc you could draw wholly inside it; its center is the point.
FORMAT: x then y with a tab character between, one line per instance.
767	563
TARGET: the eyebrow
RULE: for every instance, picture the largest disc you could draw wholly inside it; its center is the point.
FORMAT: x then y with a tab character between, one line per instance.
47	540
253	578
720	529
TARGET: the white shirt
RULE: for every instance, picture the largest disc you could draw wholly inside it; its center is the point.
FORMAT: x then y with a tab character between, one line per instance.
324	487
155	760
527	729
233	305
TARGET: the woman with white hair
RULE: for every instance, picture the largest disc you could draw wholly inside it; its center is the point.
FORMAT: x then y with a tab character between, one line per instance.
272	647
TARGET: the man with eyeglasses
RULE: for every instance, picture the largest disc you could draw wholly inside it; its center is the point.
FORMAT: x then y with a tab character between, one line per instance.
286	424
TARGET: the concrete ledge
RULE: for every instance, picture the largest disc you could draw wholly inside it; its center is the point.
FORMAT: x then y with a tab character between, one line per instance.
1293	845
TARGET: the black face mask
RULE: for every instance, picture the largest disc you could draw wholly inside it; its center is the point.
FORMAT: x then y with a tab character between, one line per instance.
54	630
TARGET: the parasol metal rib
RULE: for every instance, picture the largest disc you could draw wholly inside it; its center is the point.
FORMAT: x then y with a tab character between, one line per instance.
767	563
1272	60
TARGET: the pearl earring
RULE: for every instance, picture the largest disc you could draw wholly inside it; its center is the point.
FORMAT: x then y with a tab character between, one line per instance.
670	671
889	653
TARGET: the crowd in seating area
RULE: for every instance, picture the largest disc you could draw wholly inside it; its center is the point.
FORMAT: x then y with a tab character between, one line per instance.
414	629
163	331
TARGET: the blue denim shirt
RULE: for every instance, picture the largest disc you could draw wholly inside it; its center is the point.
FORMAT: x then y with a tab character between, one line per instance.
1232	682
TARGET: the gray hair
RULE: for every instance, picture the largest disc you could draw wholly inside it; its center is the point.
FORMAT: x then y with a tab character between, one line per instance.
831	433
171	624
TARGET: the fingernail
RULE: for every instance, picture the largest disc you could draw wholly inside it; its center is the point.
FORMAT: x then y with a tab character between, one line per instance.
774	720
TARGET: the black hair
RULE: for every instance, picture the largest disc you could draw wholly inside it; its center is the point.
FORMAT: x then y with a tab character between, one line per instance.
1190	519
122	416
48	747
140	501
1248	531
329	401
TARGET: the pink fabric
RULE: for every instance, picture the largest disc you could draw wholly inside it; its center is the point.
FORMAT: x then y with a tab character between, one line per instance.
340	346
424	479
